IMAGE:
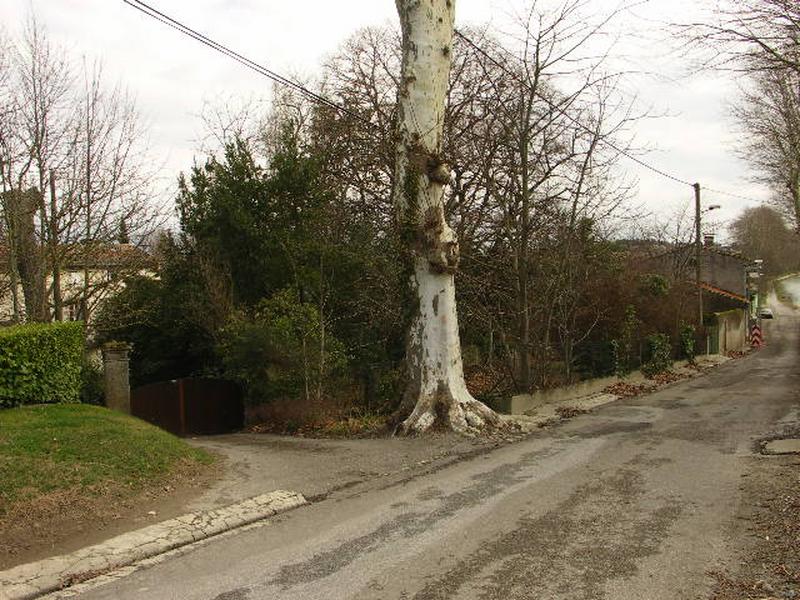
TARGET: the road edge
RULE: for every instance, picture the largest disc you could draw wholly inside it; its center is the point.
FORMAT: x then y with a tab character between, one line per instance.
35	579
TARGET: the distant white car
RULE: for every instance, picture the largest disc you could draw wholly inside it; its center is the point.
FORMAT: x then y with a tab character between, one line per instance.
765	313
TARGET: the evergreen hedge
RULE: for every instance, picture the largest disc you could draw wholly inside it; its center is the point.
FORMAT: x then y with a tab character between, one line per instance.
41	362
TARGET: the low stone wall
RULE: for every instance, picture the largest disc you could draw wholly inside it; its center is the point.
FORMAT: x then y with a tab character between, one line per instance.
524	403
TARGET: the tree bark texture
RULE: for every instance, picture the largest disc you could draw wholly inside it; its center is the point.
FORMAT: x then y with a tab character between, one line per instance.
55	262
436	387
30	266
794	189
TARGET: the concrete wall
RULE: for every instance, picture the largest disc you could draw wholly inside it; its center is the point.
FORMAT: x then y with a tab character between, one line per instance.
719	268
116	378
524	402
732	330
723	271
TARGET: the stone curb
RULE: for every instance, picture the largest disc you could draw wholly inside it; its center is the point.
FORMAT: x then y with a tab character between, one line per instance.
37	578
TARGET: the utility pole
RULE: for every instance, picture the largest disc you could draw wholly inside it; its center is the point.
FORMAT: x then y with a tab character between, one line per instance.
698	251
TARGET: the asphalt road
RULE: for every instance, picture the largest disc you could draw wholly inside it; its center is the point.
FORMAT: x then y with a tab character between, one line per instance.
634	501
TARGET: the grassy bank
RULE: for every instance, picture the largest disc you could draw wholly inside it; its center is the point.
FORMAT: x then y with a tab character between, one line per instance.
84	449
786	289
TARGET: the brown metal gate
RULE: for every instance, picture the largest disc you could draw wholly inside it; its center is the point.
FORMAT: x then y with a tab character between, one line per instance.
190	406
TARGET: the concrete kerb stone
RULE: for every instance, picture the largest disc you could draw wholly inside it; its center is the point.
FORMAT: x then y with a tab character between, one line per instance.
782	446
38	578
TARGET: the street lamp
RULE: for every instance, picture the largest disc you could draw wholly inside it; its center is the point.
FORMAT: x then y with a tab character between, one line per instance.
698	248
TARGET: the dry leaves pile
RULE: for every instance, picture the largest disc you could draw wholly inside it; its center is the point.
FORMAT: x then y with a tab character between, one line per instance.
627	390
486	380
666	377
567	412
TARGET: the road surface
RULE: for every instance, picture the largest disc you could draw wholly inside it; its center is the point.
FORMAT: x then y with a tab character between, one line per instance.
637	500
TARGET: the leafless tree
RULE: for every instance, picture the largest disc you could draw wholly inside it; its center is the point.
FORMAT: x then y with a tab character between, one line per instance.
34	141
108	180
560	130
750	35
768	114
227	118
761	38
81	145
9	153
761	232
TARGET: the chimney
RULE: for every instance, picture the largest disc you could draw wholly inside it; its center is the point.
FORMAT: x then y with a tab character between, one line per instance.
708	240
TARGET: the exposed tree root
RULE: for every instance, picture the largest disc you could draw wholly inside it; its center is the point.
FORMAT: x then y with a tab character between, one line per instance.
460	413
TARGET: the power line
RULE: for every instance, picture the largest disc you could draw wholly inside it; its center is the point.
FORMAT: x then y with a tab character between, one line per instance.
608	143
165	19
156	14
575	121
724	193
184	29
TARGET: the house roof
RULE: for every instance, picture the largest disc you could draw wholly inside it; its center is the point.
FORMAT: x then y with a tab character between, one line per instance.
99	255
724	293
106	256
706	249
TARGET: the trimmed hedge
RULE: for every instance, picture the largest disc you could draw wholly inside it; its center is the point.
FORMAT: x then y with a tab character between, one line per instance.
41	362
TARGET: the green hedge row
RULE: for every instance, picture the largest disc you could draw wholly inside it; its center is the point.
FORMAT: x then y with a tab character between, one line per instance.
41	362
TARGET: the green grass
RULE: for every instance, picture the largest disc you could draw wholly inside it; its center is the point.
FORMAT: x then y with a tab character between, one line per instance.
46	448
784	295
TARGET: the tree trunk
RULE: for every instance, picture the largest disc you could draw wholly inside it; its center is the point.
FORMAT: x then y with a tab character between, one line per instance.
794	188
58	304
23	207
88	241
7	205
524	337
523	249
436	384
321	365
490	352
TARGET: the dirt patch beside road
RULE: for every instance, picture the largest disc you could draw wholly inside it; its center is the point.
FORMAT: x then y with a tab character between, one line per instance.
66	520
769	523
72	474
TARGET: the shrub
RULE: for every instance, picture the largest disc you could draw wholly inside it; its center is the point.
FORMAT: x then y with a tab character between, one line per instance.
654	285
622	348
163	319
660	352
92	385
280	352
687	342
41	363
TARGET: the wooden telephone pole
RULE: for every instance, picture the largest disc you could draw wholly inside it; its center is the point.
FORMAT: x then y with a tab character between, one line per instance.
698	251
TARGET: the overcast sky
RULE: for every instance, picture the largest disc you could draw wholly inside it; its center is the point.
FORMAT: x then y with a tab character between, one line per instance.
172	76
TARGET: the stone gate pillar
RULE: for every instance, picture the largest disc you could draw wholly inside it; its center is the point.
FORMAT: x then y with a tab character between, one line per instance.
115	376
